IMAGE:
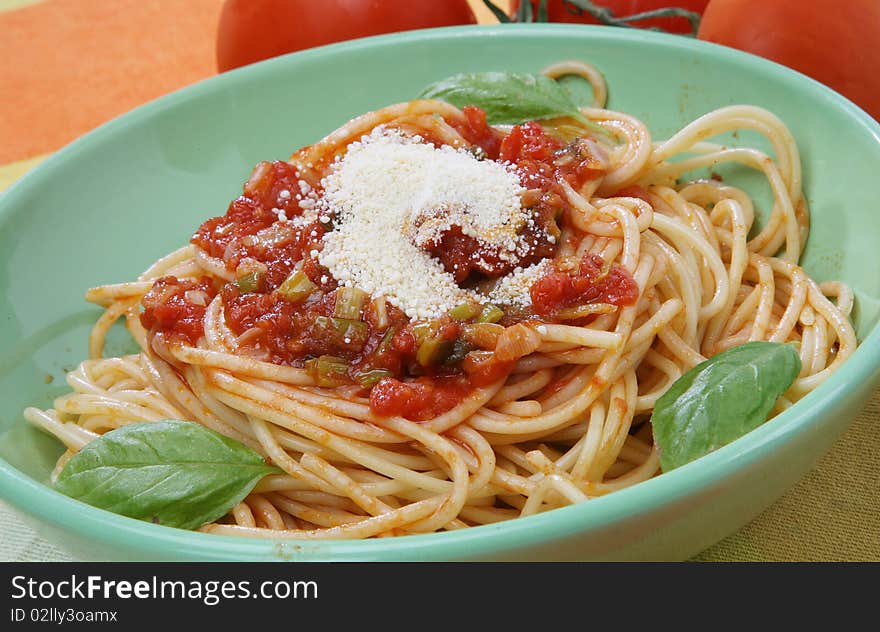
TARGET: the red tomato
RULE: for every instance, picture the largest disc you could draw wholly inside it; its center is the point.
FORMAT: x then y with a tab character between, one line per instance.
253	30
419	400
833	42
565	11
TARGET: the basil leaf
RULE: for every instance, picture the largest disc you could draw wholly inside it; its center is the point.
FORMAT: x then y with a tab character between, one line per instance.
507	98
721	399
176	473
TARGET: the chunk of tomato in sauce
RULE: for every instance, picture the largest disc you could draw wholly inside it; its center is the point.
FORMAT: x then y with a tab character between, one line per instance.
279	246
276	184
542	160
528	142
251	228
264	323
176	307
484	369
592	282
477	131
243	217
534	155
421	399
272	185
461	254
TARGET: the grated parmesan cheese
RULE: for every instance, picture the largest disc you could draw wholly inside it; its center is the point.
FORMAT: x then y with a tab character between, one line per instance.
389	194
513	289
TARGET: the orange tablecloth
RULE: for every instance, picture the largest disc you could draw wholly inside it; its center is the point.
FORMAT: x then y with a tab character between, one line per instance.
67	66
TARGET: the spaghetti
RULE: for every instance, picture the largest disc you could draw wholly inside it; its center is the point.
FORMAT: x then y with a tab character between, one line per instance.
623	278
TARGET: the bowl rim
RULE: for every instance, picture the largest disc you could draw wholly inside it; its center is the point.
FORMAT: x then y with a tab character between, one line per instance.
121	533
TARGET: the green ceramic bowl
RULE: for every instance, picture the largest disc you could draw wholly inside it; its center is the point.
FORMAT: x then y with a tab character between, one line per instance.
111	203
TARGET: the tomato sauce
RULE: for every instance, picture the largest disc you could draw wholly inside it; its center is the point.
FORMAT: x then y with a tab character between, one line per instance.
542	160
253	211
476	130
250	229
420	399
539	160
483	369
177	307
463	255
414	369
290	333
592	282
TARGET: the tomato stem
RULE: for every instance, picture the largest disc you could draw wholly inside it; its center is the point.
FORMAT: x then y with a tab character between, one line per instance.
603	14
542	11
606	16
498	12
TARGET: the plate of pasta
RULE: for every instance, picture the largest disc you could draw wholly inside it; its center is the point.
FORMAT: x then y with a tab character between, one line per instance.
538	292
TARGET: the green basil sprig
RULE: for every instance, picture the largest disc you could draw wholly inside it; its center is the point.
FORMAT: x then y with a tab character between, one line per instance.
721	399
175	473
508	98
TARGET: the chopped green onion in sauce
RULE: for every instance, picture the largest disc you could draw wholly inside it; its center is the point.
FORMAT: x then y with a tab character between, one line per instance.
349	302
433	351
464	311
297	287
490	314
249	283
371	377
328	371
